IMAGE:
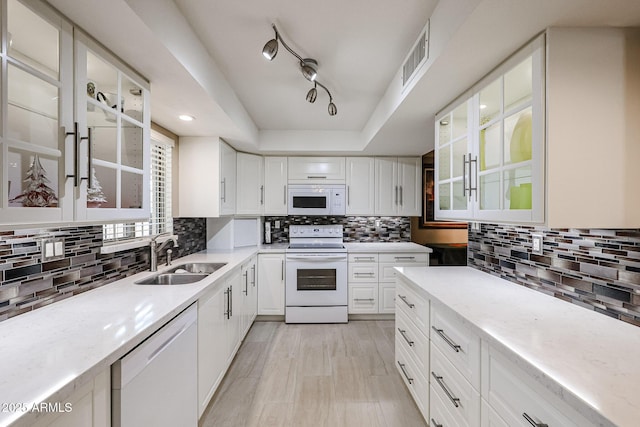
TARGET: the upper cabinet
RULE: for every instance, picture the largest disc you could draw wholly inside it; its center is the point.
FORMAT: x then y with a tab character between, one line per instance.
490	146
360	185
67	158
316	170
398	184
37	105
275	185
207	184
113	116
250	196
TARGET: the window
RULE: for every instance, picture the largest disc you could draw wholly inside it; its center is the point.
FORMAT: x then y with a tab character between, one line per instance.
161	221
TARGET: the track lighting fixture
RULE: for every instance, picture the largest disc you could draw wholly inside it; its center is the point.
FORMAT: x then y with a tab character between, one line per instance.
308	67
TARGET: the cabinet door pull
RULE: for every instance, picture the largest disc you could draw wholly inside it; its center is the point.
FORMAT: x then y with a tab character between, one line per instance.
396	199
230	300
364	299
451	397
282	271
475	169
253	275
224	190
404	299
532	422
316	177
348	195
262	194
397	258
405	372
226	304
401	197
464	176
89	158
76	154
403	333
285	195
446	339
434	423
246	282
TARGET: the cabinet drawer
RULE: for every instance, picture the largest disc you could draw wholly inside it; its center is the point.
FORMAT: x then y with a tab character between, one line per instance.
457	342
363	298
363	272
404	258
413	305
460	398
415	381
414	342
439	413
517	398
363	258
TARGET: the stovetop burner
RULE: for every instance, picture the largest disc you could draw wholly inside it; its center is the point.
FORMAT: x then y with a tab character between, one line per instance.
312	238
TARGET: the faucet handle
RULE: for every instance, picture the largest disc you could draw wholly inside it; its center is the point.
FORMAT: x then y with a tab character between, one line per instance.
169	252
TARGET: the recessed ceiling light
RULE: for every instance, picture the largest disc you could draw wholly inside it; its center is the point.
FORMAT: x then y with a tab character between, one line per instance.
483	106
186	117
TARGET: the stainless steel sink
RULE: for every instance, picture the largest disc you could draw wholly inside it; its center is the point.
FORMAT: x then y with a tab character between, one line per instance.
171	279
197	267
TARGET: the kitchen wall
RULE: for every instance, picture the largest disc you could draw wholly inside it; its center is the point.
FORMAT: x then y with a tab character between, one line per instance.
356	228
596	269
26	283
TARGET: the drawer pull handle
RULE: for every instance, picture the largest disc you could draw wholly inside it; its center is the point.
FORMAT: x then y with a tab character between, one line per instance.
405	372
434	423
446	339
364	274
451	397
363	258
404	298
364	299
532	422
402	332
404	257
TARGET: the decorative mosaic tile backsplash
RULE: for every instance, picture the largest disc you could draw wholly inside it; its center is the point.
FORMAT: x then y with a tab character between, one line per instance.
356	228
596	269
26	283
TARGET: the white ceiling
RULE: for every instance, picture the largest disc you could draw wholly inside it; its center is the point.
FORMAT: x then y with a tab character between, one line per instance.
203	58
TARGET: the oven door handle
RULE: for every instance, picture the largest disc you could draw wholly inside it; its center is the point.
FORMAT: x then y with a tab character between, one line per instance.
316	257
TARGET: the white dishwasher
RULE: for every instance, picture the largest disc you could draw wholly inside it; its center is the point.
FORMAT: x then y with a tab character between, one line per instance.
156	384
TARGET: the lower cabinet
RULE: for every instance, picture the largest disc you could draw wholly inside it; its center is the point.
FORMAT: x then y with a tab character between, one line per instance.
372	279
88	406
220	333
271	280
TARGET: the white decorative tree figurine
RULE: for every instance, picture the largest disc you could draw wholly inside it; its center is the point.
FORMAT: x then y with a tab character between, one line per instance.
37	193
95	196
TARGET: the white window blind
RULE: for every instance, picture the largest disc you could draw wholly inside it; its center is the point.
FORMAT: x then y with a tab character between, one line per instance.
161	221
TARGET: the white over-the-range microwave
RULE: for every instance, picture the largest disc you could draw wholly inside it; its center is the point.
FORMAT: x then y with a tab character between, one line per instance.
318	199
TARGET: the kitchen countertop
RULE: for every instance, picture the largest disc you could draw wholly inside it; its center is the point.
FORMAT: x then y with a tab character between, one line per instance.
588	360
49	352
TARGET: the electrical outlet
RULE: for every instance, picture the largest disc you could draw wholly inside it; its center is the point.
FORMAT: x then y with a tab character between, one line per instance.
536	244
52	249
475	226
377	223
276	224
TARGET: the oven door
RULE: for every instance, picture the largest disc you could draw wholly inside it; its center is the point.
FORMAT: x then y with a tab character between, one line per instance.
316	279
309	202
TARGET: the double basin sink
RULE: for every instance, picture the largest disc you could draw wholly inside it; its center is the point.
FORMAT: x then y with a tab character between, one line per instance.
183	274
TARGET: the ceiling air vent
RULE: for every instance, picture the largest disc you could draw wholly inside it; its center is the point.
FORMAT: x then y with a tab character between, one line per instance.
417	55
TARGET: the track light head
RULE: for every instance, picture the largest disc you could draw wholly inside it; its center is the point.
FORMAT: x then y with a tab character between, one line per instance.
312	94
333	110
270	49
309	68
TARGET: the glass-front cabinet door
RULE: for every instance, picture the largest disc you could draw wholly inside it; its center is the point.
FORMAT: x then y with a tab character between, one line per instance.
112	110
454	145
493	169
37	111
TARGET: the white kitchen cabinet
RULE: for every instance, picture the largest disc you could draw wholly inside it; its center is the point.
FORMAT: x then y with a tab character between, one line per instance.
271	281
90	152
113	113
490	145
212	338
398	185
275	186
386	298
248	306
363	298
360	185
88	406
207	170
519	400
250	195
316	170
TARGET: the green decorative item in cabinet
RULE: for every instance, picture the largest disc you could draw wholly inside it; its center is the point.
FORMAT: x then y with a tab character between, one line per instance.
37	194
520	196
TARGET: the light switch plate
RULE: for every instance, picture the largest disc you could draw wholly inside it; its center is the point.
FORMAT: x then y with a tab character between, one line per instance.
52	249
536	244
